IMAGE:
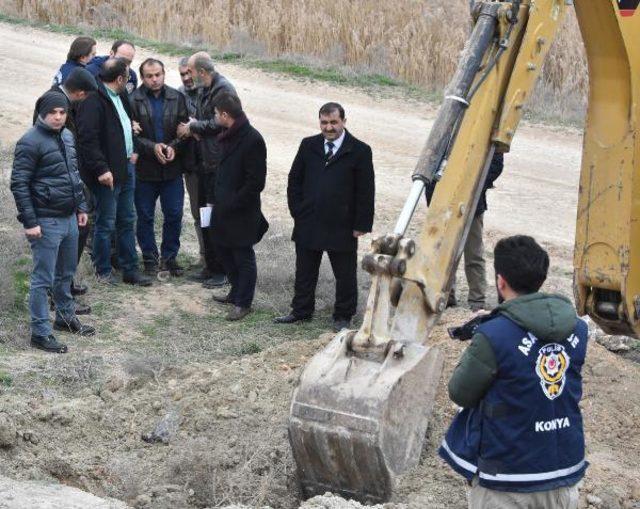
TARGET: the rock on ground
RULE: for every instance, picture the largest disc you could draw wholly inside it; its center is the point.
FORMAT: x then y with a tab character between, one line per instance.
34	495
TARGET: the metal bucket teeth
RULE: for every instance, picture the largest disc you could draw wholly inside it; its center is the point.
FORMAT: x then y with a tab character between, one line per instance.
355	424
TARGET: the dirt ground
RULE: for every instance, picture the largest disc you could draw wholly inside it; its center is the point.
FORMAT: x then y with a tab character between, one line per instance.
216	395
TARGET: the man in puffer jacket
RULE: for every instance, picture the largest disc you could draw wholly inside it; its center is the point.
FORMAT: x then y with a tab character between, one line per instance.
519	437
48	192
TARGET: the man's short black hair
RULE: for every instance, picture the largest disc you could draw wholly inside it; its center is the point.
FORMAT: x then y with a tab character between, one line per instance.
329	108
80	80
229	104
113	68
150	61
522	262
121	42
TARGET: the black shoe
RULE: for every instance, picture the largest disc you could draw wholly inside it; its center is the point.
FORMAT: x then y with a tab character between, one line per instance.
48	344
341	323
452	302
172	266
150	268
82	309
136	279
215	281
78	289
222	298
74	326
201	276
291	318
237	313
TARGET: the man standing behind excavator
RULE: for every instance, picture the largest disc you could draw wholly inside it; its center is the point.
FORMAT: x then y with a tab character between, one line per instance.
519	437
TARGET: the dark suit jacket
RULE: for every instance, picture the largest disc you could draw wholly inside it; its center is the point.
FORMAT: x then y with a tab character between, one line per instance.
239	180
329	200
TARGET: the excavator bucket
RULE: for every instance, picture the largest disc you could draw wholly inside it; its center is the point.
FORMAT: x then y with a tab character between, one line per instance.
355	422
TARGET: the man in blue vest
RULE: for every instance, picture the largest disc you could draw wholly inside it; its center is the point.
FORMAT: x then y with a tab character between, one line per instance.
519	439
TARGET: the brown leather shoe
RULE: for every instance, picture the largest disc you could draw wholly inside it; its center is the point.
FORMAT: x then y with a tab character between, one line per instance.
237	313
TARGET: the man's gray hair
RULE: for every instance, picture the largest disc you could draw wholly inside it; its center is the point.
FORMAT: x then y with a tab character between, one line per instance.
204	62
183	62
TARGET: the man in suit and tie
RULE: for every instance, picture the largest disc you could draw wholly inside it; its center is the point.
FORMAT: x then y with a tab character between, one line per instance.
331	199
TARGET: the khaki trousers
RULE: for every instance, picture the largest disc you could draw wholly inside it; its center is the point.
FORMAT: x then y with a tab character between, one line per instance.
191	183
474	263
560	498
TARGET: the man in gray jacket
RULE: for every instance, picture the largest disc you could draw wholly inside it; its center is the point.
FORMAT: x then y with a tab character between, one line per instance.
205	130
48	192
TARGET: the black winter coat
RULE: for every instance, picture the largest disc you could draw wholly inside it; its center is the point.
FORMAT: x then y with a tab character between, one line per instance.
148	168
208	149
495	170
69	124
329	200
240	178
45	181
101	143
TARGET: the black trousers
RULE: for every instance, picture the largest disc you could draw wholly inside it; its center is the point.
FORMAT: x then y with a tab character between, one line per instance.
344	265
240	266
211	257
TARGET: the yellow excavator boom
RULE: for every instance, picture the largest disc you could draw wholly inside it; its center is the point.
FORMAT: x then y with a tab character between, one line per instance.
360	412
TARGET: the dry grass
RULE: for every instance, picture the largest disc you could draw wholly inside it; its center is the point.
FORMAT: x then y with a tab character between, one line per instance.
415	41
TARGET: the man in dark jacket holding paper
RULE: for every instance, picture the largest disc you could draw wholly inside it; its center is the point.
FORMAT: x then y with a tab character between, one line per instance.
331	199
237	223
48	193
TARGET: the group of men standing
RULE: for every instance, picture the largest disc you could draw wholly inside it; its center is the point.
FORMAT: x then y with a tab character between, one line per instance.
126	147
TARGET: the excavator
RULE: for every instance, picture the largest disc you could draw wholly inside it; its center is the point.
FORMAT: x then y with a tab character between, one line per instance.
360	411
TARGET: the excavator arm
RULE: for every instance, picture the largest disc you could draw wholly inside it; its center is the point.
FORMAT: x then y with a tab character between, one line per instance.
360	412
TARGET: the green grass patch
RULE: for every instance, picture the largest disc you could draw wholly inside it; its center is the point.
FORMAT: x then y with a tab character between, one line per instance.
21	282
6	380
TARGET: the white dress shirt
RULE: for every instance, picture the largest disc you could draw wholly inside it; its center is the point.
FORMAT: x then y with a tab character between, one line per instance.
336	144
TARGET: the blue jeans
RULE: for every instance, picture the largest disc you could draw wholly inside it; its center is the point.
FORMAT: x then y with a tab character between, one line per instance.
115	213
55	258
171	194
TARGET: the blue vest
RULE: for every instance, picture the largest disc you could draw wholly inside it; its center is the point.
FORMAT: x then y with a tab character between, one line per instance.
526	434
64	71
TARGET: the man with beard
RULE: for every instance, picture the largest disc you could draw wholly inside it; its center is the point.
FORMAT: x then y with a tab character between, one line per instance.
205	130
158	109
190	168
105	145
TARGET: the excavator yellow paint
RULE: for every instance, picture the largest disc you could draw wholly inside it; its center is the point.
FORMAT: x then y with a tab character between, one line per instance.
606	283
359	414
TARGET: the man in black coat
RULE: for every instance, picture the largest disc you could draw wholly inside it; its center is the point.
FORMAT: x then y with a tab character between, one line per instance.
105	147
237	220
204	129
159	109
331	199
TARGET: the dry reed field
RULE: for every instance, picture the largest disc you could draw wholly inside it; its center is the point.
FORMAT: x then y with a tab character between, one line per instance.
416	41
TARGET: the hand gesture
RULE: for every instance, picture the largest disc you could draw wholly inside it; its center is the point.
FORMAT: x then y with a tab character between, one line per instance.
159	151
83	218
106	179
33	233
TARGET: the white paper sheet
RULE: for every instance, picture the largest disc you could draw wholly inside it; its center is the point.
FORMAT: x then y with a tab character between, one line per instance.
205	216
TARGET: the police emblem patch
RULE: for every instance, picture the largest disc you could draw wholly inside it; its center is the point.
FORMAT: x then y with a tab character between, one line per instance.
551	368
